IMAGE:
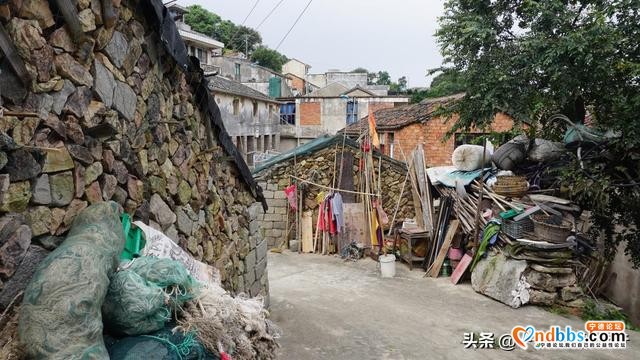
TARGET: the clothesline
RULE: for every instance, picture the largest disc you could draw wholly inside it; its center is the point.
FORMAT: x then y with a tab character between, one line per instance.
331	188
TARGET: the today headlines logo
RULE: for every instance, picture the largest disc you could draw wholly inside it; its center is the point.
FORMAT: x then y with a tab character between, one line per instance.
596	335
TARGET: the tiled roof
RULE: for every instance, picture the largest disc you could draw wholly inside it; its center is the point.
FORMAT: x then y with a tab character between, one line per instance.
220	84
401	116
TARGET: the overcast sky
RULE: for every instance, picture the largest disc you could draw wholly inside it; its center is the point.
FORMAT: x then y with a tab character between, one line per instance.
392	35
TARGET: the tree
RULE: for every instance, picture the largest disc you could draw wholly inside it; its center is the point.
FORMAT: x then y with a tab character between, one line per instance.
269	58
383	78
448	82
237	38
360	70
532	59
201	19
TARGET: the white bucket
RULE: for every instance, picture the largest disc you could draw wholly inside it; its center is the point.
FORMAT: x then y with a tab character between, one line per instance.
387	265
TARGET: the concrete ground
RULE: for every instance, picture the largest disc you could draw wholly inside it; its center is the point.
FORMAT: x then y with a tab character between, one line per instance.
331	309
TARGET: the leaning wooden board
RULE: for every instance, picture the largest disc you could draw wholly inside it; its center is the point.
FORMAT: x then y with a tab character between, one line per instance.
307	232
453	228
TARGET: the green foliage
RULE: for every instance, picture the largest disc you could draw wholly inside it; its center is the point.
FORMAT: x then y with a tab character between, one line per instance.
533	59
269	58
448	82
237	38
360	70
383	78
201	19
593	310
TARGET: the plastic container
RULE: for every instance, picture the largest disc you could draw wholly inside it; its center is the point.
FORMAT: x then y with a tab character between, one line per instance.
387	265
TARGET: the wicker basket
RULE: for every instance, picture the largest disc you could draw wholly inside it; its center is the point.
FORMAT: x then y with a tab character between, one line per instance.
549	232
511	186
516	229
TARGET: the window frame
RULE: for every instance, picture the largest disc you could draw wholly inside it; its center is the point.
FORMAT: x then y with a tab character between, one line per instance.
286	117
352	111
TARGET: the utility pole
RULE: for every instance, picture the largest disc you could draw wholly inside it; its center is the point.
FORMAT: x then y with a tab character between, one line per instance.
246	45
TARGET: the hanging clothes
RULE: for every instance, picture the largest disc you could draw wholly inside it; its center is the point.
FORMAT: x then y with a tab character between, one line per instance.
338	212
290	193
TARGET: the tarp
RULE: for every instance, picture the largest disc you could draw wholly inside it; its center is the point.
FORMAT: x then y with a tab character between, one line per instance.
448	175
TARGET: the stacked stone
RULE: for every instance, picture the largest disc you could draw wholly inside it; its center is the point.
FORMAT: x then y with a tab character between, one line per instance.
116	123
553	285
319	168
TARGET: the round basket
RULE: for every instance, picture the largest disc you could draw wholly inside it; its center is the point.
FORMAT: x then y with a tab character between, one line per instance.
549	232
511	186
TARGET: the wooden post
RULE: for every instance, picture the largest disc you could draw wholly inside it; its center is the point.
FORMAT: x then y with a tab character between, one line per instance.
477	220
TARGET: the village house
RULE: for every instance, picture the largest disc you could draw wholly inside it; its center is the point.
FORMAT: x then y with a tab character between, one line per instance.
199	45
296	73
401	128
327	110
268	82
250	118
330	161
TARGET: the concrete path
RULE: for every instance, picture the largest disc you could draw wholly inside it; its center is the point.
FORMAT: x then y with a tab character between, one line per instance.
330	309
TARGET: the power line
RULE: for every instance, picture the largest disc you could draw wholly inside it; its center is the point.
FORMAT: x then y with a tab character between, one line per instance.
294	24
243	22
269	14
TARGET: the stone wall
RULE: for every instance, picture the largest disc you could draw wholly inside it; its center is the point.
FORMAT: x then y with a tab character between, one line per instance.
319	168
113	118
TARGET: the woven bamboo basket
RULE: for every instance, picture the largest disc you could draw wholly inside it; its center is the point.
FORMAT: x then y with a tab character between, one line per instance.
511	186
516	229
550	232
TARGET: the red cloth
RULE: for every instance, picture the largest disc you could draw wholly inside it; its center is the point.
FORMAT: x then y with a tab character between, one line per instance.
290	193
332	223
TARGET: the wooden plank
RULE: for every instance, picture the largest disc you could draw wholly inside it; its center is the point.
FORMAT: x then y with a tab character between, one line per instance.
307	232
549	198
461	268
453	228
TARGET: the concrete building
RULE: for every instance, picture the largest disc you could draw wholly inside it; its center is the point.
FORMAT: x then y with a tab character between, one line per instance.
296	72
250	118
327	110
264	80
400	129
199	45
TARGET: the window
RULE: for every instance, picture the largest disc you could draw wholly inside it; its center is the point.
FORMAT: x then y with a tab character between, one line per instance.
255	109
352	111
237	73
200	55
270	111
288	113
236	106
391	140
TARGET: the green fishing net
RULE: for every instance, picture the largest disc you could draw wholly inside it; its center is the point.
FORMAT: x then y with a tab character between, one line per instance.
60	315
162	345
144	293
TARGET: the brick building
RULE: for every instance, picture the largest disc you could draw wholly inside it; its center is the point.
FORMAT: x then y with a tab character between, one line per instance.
402	128
327	110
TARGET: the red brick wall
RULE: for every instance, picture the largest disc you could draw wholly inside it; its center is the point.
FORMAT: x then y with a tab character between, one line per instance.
310	113
437	152
297	83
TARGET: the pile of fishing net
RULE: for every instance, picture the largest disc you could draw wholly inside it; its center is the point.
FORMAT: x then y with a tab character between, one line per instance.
84	303
144	293
237	325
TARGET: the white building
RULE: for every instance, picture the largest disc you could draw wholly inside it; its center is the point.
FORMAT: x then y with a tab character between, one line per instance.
199	45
